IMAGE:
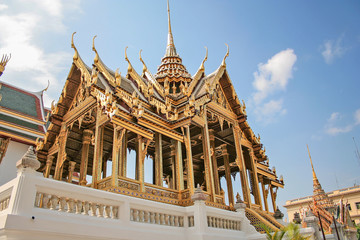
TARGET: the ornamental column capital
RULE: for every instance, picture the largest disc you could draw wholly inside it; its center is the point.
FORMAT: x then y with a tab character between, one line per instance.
87	134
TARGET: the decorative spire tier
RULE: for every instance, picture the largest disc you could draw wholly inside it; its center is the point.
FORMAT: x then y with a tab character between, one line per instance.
319	195
171	69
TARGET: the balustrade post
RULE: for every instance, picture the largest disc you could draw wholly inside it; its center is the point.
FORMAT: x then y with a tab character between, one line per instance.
200	219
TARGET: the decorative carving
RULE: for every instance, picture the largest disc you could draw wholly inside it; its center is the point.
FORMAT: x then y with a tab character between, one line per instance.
117	77
106	103
39	144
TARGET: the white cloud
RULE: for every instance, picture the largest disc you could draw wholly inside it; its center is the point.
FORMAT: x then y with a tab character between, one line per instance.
333	49
270	78
3	6
357	117
334	117
52	7
269	111
22	25
274	75
332	127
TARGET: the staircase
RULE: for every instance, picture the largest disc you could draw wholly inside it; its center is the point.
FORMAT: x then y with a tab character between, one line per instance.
258	217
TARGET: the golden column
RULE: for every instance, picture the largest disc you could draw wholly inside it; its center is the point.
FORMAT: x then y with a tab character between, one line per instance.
98	155
71	170
61	157
179	166
86	140
123	160
140	157
158	161
264	192
273	197
173	168
116	154
207	158
214	162
190	168
228	175
255	178
241	164
49	162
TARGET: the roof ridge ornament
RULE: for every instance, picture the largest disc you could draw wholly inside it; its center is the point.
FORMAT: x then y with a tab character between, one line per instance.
47	87
127	59
76	54
205	59
4	60
96	59
226	55
141	60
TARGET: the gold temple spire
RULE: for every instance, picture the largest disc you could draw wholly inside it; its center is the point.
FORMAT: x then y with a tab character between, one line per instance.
312	166
171	68
170	48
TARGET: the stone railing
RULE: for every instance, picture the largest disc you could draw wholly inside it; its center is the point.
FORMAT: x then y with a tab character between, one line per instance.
5	198
191	221
59	210
144	216
76	206
217	222
4	203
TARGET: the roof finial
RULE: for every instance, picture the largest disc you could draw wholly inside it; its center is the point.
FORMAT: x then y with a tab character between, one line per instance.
4	60
170	48
312	166
76	54
226	55
96	59
48	85
169	23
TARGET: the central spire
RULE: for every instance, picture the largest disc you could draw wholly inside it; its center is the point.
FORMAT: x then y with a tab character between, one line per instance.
170	48
172	71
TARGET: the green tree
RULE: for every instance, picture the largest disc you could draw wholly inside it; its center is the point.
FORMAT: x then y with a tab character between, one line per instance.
270	234
291	232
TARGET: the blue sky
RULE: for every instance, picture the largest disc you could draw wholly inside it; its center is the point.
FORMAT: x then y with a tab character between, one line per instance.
296	65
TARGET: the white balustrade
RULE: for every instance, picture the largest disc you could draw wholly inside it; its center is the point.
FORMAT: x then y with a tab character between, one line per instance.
217	222
4	203
75	206
191	221
144	216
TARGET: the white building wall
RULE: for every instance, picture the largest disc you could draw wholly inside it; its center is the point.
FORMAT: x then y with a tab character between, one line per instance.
34	207
14	152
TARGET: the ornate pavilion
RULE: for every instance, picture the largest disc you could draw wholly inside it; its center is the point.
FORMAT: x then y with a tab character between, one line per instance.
193	127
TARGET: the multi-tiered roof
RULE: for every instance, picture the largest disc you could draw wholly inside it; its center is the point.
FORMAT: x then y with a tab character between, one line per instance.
194	129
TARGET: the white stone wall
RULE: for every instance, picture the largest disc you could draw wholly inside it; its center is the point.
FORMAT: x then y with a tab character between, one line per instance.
34	207
14	152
